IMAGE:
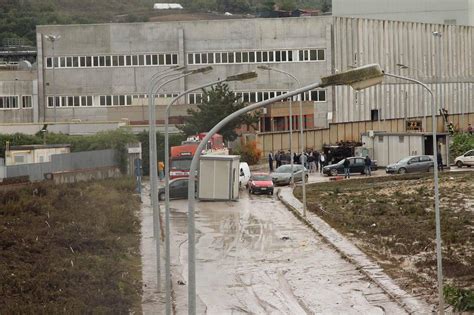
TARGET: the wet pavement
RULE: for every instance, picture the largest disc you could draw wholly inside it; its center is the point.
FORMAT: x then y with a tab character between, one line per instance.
256	257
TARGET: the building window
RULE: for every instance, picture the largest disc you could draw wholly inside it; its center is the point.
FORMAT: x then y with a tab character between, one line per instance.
8	102
26	101
374	115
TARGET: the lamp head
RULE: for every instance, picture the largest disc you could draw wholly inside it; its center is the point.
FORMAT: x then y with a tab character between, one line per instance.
199	70
243	77
359	78
264	68
437	34
52	37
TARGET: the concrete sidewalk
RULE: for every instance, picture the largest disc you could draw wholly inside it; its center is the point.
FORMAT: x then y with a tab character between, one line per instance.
354	255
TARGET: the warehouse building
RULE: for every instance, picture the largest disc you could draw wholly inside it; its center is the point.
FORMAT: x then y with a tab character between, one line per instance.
100	72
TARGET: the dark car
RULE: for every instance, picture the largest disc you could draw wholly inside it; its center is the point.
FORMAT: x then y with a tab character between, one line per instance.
411	164
178	189
260	183
357	165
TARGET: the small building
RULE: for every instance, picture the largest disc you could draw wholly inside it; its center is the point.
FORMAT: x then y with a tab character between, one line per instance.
219	177
388	148
34	153
167	6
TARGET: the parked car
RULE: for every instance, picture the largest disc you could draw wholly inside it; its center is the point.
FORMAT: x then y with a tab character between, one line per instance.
244	174
411	164
357	165
178	189
465	159
260	183
282	175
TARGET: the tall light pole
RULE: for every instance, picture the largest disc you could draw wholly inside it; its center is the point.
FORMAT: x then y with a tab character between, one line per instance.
153	155
359	78
436	190
53	38
303	177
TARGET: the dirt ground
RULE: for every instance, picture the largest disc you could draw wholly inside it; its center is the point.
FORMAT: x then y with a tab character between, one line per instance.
70	249
392	219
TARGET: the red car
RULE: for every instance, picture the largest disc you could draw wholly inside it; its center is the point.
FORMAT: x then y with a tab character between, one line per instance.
260	183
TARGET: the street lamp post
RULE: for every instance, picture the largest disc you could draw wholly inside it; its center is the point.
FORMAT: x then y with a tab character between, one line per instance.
53	38
153	155
298	84
436	190
362	77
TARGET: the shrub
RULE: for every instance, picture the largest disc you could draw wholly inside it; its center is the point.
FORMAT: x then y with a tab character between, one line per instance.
249	152
461	299
461	143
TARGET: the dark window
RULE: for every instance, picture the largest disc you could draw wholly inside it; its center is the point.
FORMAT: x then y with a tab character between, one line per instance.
175	59
141	60
210	58
190	59
321	54
374	115
49	62
121	61
108	61
161	59
115	61
148	60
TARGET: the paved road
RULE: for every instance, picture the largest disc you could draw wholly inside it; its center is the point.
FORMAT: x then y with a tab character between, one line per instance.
255	257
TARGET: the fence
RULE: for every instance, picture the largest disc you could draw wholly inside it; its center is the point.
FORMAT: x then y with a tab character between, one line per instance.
63	163
316	138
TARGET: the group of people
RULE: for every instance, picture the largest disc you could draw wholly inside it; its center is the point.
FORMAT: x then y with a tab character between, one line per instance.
313	160
367	167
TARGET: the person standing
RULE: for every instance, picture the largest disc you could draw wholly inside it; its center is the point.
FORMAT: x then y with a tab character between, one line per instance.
368	164
469	129
439	159
347	170
278	159
316	160
322	161
161	170
270	161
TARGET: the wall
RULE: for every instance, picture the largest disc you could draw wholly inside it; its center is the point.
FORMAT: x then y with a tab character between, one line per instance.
388	43
173	37
427	11
19	83
64	162
316	138
85	175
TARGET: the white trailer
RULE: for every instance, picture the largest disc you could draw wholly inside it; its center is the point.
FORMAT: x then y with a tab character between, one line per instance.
387	148
219	177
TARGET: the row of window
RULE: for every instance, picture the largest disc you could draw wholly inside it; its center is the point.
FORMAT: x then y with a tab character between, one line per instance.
256	56
253	97
103	100
112	61
193	98
12	102
193	58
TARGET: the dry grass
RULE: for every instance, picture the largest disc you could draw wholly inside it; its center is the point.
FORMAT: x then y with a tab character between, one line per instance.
392	219
70	249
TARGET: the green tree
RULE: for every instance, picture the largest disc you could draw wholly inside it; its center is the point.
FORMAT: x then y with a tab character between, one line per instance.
218	102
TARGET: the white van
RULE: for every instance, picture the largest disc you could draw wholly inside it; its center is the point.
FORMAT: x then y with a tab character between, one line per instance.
244	174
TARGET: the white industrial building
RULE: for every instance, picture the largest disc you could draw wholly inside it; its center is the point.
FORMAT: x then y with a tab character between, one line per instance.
459	12
99	73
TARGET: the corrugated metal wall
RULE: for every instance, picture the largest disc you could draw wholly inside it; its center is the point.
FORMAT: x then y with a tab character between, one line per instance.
388	43
64	162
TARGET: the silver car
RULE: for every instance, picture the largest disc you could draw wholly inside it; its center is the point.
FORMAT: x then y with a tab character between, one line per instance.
411	164
282	175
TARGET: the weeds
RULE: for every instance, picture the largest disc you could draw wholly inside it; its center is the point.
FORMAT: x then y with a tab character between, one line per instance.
70	249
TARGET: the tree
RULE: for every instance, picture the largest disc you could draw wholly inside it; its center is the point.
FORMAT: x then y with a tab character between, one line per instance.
217	103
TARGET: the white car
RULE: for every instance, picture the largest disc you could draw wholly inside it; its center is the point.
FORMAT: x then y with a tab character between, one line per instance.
465	159
244	174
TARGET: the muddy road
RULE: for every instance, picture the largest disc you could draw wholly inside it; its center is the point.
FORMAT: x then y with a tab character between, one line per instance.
255	257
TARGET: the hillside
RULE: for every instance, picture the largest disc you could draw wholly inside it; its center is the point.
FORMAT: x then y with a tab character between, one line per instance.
18	18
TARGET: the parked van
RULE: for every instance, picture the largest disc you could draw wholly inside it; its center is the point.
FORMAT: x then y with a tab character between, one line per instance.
244	174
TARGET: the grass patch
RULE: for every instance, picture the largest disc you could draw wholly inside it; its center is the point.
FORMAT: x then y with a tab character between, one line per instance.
70	249
392	219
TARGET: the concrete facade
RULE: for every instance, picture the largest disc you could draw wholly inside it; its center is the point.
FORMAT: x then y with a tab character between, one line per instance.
192	43
98	74
459	12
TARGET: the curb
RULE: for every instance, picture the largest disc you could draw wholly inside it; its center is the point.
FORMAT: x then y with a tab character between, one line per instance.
370	269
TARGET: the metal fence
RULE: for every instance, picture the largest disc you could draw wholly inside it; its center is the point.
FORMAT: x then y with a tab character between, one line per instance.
64	162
